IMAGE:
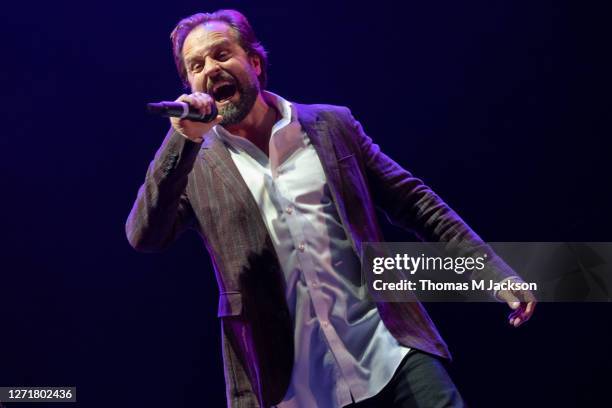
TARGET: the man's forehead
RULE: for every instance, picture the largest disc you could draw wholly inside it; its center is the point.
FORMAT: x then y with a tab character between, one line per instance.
208	35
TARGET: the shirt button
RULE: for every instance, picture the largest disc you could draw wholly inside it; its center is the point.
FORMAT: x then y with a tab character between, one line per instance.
301	247
315	283
289	210
325	324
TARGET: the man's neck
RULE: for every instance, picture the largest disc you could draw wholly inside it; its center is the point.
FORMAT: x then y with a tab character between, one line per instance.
257	125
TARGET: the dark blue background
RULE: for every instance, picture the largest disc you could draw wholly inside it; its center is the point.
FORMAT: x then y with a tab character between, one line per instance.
495	104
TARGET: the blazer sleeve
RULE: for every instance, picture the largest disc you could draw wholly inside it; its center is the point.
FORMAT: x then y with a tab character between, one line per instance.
162	210
408	203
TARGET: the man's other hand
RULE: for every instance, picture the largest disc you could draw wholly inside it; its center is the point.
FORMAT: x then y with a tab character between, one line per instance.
522	302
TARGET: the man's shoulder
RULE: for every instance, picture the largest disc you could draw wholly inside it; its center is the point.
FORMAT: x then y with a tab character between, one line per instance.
325	111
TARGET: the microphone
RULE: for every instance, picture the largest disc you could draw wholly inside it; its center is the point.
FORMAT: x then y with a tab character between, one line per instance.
181	110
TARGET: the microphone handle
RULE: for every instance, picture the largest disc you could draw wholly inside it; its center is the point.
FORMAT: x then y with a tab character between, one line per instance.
181	110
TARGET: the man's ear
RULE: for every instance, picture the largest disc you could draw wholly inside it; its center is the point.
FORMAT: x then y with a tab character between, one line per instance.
256	63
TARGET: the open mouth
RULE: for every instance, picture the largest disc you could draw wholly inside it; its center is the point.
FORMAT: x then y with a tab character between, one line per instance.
224	91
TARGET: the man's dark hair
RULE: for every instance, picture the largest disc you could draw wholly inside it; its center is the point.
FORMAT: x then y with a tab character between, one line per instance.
240	26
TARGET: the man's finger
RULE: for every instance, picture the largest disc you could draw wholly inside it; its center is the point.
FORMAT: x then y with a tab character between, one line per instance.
203	102
530	308
517	322
517	317
523	314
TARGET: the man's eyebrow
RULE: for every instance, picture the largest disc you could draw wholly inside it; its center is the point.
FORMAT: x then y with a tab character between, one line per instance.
204	51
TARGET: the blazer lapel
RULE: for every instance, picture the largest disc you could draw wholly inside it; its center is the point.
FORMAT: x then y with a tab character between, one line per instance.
319	134
218	158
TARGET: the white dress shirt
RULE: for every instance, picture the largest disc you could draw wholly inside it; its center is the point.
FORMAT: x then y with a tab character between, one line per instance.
343	351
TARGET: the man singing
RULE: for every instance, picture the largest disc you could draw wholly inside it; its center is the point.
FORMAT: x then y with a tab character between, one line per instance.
283	196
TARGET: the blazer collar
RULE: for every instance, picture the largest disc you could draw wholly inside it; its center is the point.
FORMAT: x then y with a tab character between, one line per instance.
215	152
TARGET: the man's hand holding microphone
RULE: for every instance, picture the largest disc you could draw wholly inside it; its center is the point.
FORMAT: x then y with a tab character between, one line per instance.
190	115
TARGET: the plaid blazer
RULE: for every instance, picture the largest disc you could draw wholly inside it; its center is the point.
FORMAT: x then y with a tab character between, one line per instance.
197	186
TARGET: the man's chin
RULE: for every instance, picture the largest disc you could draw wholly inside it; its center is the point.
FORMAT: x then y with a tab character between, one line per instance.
238	106
230	112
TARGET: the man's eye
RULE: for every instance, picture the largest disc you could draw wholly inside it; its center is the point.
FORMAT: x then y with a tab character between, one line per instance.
223	55
196	67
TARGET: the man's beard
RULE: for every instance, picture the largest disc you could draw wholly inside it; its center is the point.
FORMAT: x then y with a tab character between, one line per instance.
234	113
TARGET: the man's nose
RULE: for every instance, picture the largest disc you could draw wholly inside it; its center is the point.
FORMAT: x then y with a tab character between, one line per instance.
211	67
